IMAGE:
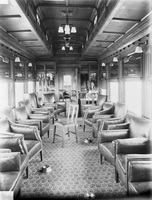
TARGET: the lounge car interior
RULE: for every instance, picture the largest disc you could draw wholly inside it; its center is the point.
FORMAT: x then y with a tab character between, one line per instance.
75	99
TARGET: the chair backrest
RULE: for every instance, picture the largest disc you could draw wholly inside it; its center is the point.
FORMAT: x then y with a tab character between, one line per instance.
20	113
27	105
101	99
33	100
120	109
107	105
4	125
49	98
72	113
140	127
7	112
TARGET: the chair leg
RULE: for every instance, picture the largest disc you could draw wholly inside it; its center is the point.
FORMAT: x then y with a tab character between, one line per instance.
83	127
54	134
76	134
27	171
63	132
116	176
41	155
100	158
48	133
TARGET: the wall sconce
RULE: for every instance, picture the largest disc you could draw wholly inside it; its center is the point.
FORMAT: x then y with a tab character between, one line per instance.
30	64
17	59
4	59
115	59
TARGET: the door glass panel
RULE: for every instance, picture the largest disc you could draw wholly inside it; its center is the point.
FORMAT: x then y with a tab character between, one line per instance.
30	87
19	92
114	91
4	94
133	96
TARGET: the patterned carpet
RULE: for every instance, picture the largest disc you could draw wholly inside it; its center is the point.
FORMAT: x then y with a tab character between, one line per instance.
75	171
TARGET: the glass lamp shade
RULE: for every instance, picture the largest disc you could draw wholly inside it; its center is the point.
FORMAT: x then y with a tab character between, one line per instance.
30	64
67	29
17	59
103	64
115	59
73	29
60	30
71	48
63	48
138	49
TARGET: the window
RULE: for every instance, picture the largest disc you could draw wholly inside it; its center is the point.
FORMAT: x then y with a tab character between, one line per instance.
19	92
67	80
114	91
30	87
4	94
133	96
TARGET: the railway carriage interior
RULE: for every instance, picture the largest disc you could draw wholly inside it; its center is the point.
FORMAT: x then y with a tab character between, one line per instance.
76	99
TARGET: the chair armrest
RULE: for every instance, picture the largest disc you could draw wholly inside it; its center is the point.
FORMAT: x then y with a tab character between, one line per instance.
29	132
94	107
39	117
40	111
88	113
110	135
2	150
118	126
132	146
60	103
31	122
10	162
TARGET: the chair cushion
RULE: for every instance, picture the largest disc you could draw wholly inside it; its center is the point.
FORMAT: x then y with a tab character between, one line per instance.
9	161
12	143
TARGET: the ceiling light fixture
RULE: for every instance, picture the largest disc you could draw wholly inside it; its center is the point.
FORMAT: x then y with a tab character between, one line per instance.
67	28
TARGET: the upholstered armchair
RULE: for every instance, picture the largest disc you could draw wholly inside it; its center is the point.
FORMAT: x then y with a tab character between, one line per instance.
88	114
31	134
48	100
139	174
41	121
109	131
101	99
15	143
139	141
33	99
113	113
10	173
